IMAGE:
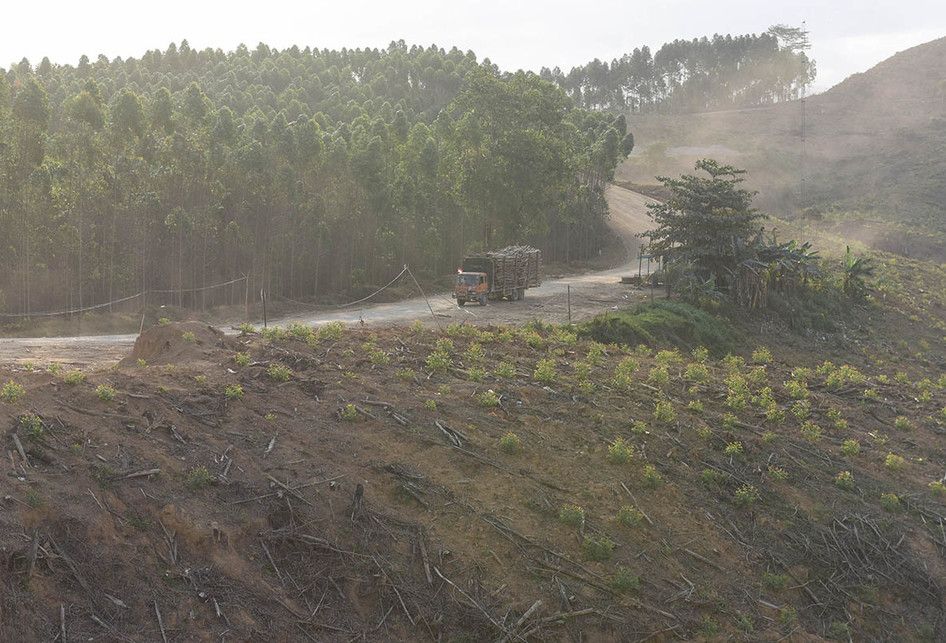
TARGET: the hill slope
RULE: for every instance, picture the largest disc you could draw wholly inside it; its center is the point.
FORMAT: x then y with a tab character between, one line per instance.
873	159
479	484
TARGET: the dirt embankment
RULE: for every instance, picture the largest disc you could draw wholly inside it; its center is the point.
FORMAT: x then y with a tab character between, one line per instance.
416	485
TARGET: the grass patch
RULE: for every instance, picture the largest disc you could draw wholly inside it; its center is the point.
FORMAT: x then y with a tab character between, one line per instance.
670	323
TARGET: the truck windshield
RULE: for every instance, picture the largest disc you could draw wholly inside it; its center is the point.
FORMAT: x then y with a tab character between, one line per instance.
468	280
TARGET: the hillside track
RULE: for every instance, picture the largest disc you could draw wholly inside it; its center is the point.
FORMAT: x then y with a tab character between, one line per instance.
590	293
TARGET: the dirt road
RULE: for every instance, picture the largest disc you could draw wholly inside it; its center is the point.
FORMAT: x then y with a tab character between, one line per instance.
590	294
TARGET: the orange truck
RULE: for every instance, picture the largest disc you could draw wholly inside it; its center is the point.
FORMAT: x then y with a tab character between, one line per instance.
500	274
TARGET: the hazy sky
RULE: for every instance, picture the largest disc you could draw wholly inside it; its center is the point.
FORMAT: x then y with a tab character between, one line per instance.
847	35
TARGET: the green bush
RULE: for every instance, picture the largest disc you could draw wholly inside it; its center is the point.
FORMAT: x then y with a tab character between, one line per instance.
279	373
74	377
510	443
620	452
545	371
629	516
11	392
664	322
625	581
571	515
105	392
233	392
599	549
198	478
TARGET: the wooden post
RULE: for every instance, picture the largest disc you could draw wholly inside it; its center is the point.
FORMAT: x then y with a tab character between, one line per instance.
246	297
569	296
262	296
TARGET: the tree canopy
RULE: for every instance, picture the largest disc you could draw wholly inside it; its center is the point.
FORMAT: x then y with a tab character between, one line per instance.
313	171
696	75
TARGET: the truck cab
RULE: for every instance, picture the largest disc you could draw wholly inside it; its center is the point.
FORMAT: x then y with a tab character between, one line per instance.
471	286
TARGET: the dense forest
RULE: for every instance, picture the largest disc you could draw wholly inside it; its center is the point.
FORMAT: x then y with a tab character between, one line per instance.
315	172
319	172
696	75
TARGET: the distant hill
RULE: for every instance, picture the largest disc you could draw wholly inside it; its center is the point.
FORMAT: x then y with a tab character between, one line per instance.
872	162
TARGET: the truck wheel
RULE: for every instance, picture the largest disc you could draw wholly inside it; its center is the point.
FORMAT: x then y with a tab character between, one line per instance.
461	302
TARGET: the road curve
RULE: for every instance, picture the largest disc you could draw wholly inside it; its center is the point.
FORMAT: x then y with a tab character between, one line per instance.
629	217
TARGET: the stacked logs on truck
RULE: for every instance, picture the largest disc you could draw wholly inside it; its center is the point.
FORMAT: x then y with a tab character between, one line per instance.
517	266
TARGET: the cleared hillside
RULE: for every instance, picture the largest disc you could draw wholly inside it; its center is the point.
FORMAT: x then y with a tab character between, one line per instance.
479	483
872	163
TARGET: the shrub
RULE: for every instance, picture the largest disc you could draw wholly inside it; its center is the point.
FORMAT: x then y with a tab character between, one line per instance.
746	495
74	377
668	358
301	331
279	373
545	371
489	398
777	473
664	412
700	354
801	409
902	423
733	363
844	480
938	488
246	328
797	390
505	370
332	330
729	421
189	337
163	321
439	361
894	462
430	405
405	374
599	549
620	452
476	374
596	351
850	448
733	449
811	431
890	501
711	477
761	355
769	436
11	392
32	424
696	372
658	376
624	372
105	392
625	581
774	582
233	392
141	363
510	443
639	427
571	515
696	406
349	413
629	516
651	476
198	478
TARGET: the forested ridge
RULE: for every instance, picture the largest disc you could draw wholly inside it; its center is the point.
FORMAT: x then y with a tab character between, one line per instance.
696	75
316	173
312	171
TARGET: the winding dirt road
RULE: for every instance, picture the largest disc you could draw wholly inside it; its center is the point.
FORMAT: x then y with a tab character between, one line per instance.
590	293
